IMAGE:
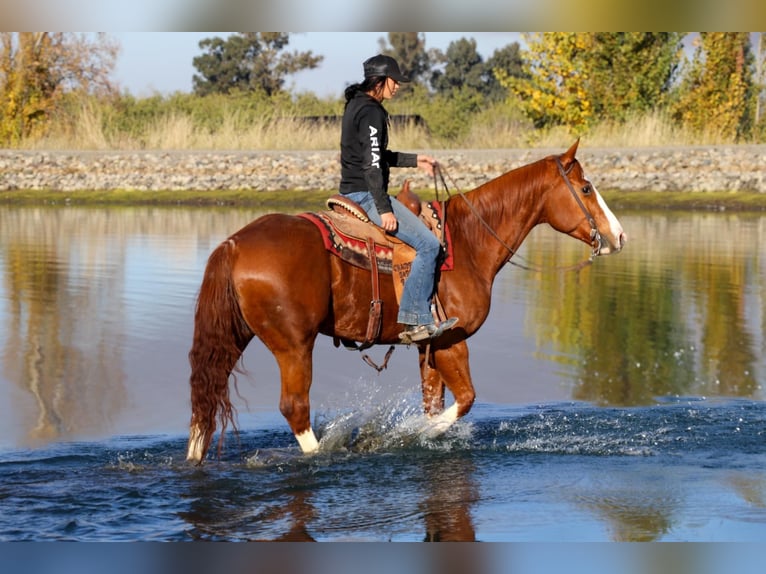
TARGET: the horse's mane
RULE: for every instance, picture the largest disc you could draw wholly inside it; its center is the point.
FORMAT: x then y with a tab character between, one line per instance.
496	200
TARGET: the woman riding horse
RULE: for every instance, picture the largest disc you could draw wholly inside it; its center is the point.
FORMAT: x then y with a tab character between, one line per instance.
365	161
274	280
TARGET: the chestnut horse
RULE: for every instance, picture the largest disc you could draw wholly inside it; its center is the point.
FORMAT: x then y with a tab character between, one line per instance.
273	279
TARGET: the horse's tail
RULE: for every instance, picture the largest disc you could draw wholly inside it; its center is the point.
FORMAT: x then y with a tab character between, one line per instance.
220	336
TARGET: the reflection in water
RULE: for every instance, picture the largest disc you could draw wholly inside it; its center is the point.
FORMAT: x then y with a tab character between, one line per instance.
751	489
53	279
632	511
451	492
96	307
678	312
221	511
64	293
309	500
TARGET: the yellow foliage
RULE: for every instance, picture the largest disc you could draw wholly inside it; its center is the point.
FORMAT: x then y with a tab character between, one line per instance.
553	91
37	68
715	94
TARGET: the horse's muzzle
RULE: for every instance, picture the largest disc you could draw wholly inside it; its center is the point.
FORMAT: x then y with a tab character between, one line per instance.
604	246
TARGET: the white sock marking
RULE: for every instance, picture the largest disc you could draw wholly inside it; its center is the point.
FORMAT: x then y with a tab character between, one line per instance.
441	422
307	441
194	449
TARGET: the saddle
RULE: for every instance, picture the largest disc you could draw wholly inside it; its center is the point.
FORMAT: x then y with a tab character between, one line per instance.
348	233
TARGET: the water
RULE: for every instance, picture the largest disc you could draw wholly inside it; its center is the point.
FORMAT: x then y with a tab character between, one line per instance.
621	403
686	470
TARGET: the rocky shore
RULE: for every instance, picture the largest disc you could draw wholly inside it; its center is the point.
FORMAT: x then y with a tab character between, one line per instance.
660	169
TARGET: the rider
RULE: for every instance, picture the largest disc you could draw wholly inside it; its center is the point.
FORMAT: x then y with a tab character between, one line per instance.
365	162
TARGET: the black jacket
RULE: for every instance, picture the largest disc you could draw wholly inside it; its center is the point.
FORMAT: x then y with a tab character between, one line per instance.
364	155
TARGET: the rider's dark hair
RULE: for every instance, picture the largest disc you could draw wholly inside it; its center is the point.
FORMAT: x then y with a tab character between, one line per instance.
365	85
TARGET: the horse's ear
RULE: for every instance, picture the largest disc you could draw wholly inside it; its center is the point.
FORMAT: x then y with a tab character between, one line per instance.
569	156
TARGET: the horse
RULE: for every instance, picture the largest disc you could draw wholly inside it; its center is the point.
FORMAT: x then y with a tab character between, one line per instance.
274	279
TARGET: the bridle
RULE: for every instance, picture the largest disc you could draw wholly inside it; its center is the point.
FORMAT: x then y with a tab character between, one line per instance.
595	236
596	241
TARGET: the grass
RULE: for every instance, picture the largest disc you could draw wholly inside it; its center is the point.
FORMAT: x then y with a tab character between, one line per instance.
178	131
230	125
243	198
310	200
687	201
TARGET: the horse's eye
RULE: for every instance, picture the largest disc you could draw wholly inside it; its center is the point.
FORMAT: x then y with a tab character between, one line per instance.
587	189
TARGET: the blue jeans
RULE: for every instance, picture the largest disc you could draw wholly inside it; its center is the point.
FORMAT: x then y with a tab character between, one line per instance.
415	304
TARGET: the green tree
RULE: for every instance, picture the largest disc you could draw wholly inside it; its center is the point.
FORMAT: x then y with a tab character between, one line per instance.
632	72
37	70
718	93
574	79
464	68
505	62
760	80
409	50
248	61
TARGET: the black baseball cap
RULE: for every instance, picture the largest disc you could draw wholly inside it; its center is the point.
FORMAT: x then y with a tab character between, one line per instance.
381	65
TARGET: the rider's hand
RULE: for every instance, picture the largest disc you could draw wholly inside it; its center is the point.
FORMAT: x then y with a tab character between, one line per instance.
388	221
427	163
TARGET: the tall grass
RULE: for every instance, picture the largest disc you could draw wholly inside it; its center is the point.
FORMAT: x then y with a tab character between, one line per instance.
183	122
655	128
178	130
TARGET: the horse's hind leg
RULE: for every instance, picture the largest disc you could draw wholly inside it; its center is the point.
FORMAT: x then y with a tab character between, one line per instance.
295	367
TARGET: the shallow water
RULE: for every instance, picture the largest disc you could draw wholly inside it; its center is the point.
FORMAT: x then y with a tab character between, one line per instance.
685	470
623	402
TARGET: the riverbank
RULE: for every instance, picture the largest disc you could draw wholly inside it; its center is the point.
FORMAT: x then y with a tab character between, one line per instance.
694	177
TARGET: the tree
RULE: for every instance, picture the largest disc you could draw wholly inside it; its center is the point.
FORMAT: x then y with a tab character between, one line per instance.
504	62
38	68
552	88
409	50
760	76
248	61
718	93
464	68
630	72
572	79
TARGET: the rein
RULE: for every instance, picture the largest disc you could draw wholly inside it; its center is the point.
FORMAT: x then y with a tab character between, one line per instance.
595	235
439	175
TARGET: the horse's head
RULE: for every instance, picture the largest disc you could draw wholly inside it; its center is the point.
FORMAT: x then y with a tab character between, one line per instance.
575	207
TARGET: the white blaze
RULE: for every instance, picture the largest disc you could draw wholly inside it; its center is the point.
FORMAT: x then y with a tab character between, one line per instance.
615	228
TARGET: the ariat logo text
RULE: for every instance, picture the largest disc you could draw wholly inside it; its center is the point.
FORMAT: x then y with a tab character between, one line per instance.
375	146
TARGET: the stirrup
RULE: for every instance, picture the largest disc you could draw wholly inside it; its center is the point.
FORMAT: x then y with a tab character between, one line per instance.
417	333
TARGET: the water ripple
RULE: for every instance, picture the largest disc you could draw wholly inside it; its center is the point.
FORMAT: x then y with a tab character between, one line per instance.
648	473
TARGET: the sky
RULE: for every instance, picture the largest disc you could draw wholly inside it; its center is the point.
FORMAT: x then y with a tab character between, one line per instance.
161	62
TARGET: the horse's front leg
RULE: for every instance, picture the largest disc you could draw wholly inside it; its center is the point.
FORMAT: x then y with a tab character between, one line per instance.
432	384
448	367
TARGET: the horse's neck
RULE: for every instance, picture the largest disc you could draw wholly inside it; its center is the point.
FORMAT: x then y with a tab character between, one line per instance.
497	216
